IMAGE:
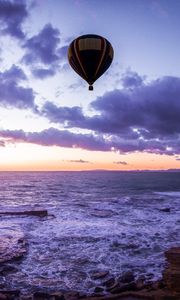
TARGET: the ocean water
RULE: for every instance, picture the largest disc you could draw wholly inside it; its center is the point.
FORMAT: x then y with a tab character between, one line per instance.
111	221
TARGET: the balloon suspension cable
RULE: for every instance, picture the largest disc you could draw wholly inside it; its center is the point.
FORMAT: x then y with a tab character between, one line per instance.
90	87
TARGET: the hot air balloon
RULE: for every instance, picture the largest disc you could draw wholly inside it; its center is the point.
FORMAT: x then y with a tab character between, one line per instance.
90	56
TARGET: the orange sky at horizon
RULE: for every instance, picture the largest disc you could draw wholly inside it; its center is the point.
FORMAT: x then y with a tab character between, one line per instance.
30	157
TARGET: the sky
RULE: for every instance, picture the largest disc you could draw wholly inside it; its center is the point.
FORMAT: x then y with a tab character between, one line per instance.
49	120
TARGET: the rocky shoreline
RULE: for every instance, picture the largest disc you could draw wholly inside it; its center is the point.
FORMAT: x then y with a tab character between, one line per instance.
126	287
119	288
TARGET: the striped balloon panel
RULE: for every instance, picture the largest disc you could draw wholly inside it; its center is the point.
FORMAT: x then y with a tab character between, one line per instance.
90	56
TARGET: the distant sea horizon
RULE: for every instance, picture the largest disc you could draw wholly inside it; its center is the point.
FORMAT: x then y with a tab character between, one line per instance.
98	170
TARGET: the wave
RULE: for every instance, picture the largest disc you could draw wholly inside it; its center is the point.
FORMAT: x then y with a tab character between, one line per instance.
171	194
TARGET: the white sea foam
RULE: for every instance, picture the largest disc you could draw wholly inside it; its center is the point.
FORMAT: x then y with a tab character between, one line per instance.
171	194
106	221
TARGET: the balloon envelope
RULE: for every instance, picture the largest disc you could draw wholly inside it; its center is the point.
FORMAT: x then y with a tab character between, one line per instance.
90	56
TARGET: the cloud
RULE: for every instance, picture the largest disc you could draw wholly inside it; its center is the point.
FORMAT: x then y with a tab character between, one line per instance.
14	74
92	142
11	93
131	79
43	46
153	108
12	16
120	163
62	114
143	118
43	72
62	52
43	53
81	161
2	144
55	137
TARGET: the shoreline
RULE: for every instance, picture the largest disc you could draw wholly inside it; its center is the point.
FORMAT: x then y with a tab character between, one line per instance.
14	247
123	287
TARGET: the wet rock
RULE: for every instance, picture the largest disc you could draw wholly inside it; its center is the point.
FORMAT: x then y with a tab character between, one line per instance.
115	285
82	295
127	277
39	213
26	297
149	285
2	285
159	284
12	247
171	274
96	296
109	283
124	288
100	275
57	296
173	257
9	294
7	269
98	289
41	296
3	297
166	209
71	295
139	284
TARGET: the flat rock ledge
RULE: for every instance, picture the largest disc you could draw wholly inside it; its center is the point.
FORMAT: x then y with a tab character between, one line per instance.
126	287
38	213
12	247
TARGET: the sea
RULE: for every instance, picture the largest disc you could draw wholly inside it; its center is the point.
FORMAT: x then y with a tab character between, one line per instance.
98	221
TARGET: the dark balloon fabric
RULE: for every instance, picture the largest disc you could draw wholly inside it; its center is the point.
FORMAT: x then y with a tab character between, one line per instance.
90	56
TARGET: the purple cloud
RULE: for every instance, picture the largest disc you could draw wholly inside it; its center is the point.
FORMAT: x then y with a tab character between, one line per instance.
143	118
153	109
2	144
11	93
65	138
12	16
43	53
62	114
131	79
62	52
43	72
14	74
81	161
43	46
120	163
55	137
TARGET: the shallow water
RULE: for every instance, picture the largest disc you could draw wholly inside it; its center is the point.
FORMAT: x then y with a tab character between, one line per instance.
103	221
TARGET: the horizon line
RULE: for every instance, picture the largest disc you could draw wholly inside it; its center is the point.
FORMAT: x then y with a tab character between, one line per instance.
98	170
